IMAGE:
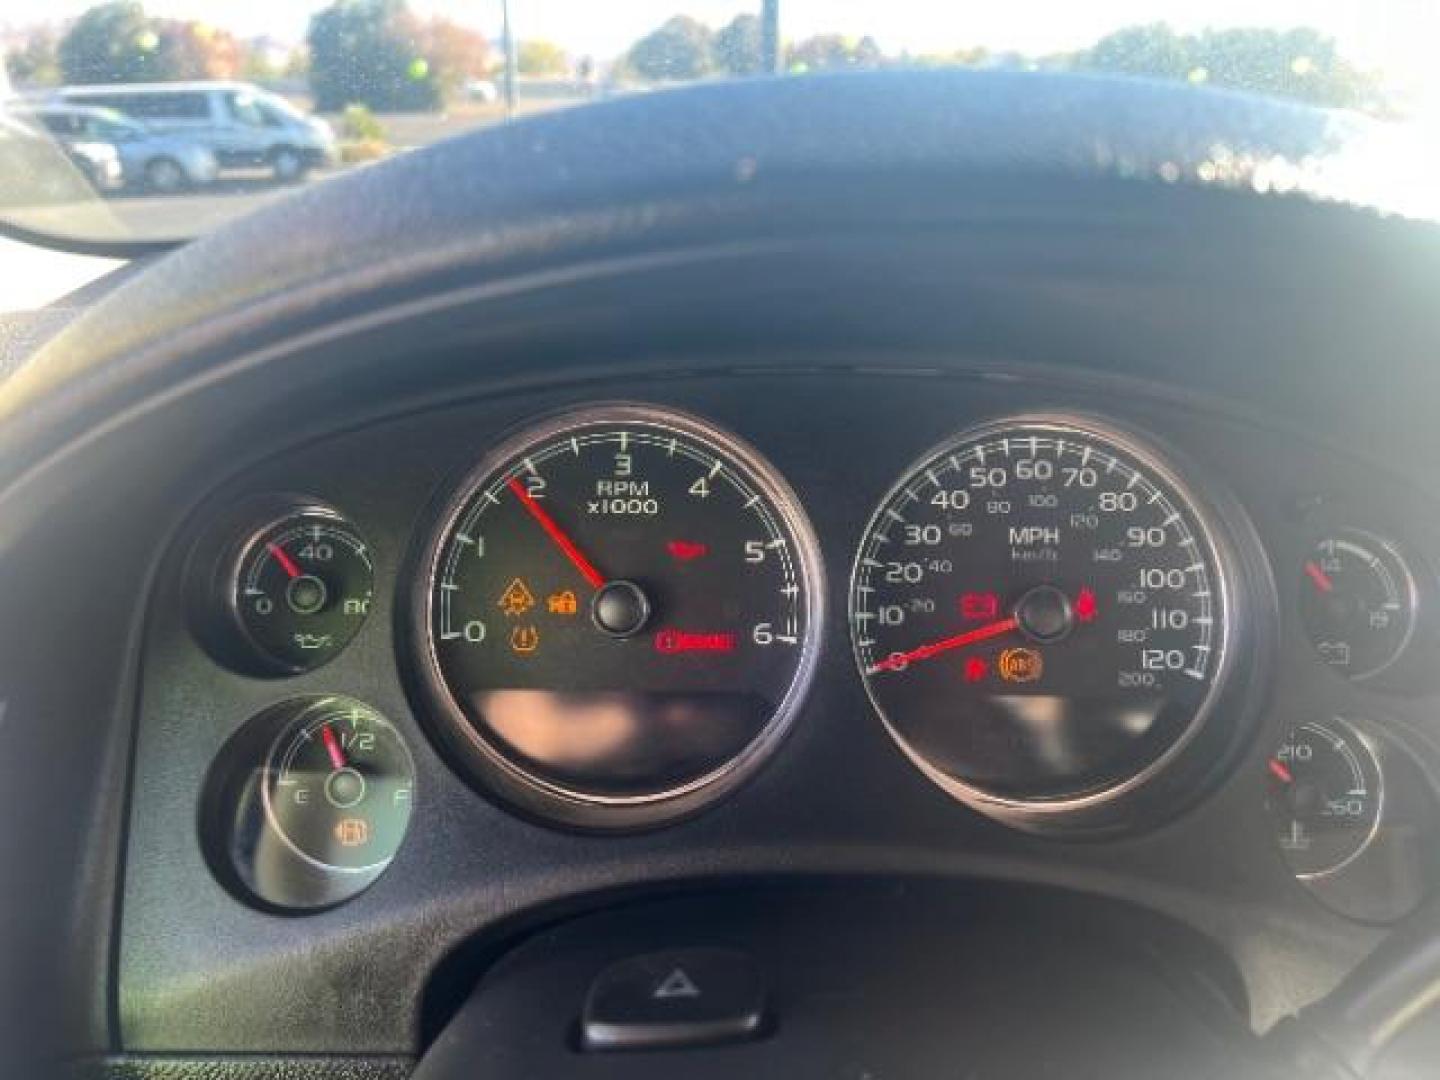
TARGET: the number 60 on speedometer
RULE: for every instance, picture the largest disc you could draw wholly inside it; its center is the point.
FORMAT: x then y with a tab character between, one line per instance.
1044	615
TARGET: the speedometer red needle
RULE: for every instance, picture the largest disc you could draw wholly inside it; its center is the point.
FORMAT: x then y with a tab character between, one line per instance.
1319	577
935	648
332	747
1279	771
557	534
291	568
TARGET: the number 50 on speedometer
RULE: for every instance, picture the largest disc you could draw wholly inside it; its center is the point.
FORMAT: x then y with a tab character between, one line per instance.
1044	616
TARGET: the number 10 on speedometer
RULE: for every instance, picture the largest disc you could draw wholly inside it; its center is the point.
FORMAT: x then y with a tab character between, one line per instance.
1042	613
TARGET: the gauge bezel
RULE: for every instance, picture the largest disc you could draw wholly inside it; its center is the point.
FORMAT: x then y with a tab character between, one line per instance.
1228	540
1409	584
1353	736
557	804
234	574
309	713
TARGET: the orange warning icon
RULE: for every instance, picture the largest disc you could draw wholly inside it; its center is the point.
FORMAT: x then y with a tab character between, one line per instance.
516	599
562	603
1020	665
352	832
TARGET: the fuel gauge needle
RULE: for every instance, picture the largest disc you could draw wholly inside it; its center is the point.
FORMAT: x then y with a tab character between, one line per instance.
333	747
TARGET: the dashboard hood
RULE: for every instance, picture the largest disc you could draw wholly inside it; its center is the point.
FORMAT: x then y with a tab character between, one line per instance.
691	163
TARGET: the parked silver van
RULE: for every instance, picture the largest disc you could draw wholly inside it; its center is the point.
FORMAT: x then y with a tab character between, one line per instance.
244	126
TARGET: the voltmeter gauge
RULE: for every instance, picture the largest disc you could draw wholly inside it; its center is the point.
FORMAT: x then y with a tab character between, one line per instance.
1358	603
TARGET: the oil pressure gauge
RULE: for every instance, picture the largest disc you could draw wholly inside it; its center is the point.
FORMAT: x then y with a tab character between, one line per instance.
287	584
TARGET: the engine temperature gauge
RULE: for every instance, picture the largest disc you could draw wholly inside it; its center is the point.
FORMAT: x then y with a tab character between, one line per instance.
1325	792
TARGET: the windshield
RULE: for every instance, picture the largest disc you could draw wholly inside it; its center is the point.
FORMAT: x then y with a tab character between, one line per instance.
260	98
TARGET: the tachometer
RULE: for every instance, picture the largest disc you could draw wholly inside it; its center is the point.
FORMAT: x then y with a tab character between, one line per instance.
620	616
1041	612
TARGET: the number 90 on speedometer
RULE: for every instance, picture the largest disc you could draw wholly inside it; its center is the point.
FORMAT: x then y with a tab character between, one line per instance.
1042	615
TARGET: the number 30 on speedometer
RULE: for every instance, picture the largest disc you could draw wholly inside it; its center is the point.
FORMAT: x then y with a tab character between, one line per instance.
1043	616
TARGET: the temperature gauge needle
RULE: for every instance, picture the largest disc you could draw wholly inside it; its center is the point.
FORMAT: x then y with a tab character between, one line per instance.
557	534
959	641
333	747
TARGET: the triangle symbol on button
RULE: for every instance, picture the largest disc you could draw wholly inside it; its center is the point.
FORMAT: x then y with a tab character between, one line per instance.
676	985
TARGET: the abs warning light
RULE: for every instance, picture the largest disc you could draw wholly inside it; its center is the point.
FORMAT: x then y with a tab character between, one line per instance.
678	641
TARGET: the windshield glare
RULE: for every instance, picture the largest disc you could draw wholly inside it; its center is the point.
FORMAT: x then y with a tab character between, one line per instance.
269	96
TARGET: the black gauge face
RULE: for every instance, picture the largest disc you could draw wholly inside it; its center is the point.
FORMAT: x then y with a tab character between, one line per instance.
1039	613
622	609
1325	795
339	786
302	590
1358	601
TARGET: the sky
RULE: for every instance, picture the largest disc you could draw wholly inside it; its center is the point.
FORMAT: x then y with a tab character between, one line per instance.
1400	37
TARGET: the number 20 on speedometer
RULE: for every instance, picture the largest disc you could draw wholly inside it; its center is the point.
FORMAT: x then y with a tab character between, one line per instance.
1042	614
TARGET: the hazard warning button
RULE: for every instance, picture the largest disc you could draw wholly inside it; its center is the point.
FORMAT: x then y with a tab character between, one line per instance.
675	998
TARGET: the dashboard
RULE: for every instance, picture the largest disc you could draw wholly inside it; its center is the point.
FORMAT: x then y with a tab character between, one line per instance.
936	547
404	681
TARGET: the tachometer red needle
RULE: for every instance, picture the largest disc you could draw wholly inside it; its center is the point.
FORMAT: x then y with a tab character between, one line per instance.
1279	771
1319	577
291	568
557	534
935	648
332	747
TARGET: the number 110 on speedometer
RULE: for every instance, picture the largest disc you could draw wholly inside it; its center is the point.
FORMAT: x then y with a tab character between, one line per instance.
1040	612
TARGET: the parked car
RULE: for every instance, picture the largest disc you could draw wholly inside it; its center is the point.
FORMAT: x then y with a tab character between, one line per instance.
148	158
36	172
244	126
98	161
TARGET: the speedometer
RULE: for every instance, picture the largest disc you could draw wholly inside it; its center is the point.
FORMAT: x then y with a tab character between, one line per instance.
1042	614
620	618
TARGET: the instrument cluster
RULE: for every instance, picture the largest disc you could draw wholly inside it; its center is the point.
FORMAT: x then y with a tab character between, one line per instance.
611	616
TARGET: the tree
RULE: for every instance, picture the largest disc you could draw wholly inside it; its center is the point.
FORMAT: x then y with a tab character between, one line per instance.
829	51
682	48
1302	63
456	54
537	57
196	50
37	62
112	42
737	46
369	52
